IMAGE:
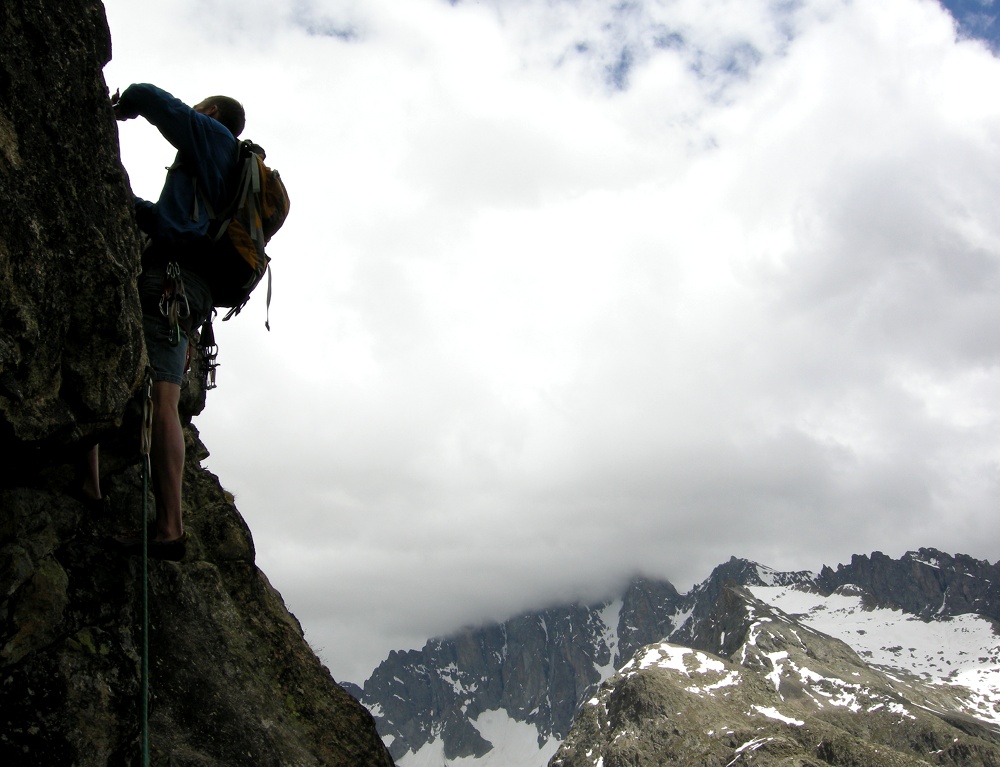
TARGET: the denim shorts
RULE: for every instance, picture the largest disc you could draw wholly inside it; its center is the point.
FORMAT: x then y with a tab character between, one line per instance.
169	359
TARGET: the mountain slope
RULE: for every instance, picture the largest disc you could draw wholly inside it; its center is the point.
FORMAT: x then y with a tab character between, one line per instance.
784	694
953	651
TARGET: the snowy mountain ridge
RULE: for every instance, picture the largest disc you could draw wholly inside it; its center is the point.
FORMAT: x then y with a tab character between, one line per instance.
512	693
789	694
953	651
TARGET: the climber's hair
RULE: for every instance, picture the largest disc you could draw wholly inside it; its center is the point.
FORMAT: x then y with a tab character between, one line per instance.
230	112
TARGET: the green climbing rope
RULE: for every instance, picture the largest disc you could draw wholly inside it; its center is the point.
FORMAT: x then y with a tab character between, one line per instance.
147	439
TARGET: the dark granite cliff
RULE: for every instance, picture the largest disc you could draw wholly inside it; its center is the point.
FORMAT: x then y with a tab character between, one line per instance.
925	582
232	681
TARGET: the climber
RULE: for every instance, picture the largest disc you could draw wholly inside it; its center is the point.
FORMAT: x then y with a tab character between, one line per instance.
174	286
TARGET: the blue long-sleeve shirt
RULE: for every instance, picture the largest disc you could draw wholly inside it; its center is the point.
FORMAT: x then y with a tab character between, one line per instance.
206	152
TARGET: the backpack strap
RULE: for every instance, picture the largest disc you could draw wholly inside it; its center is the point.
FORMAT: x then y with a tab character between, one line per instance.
267	315
247	183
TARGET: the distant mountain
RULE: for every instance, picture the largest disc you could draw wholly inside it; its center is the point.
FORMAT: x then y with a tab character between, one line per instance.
896	655
535	667
776	694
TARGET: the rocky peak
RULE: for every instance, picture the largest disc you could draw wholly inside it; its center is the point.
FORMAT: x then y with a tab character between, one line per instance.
925	582
698	627
648	609
438	691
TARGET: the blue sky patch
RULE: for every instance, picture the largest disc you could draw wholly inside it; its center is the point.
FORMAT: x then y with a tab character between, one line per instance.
977	19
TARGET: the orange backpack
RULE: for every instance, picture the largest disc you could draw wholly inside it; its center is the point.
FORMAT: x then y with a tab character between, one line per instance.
257	210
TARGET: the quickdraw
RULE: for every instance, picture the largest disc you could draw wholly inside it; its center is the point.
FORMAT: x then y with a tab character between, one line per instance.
173	302
209	354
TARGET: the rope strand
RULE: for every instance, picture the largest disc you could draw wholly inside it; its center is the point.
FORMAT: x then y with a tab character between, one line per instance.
146	445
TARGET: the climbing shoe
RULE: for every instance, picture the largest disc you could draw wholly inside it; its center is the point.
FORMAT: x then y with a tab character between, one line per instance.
131	545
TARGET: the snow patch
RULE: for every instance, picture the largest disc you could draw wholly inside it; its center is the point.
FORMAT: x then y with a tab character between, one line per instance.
750	746
514	743
962	650
775	676
773	713
766	575
673	657
732	679
609	617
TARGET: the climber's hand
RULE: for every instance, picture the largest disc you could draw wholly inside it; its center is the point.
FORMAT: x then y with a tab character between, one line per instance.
120	114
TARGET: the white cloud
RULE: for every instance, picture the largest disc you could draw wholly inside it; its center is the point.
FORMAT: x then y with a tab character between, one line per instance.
536	327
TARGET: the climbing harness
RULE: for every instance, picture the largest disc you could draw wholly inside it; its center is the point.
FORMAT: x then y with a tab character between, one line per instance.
174	303
146	447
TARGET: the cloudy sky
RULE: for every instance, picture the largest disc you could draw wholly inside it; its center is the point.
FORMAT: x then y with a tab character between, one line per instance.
574	289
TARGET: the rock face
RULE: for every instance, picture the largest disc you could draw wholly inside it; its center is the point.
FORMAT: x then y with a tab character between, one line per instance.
70	340
901	654
924	582
536	667
232	680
